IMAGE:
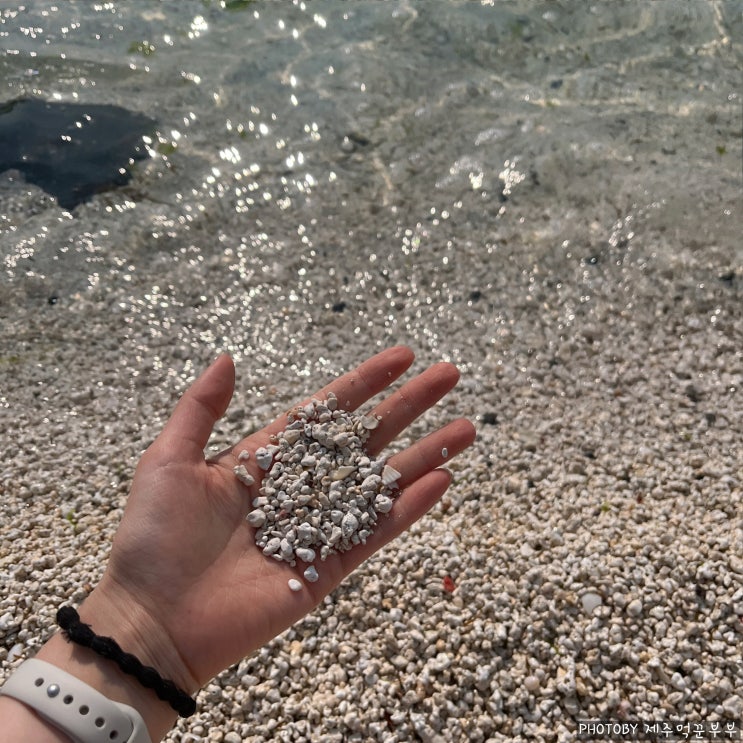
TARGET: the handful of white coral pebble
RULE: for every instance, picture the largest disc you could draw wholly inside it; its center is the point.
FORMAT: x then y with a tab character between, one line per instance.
321	493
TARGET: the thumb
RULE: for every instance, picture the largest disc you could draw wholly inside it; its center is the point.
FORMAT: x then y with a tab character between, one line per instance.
202	405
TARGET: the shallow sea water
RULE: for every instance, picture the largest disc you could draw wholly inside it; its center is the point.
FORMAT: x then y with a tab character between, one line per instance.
547	194
310	155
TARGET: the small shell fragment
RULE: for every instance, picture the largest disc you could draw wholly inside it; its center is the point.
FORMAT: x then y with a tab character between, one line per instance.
444	452
311	574
369	422
341	473
242	475
295	585
243	456
390	475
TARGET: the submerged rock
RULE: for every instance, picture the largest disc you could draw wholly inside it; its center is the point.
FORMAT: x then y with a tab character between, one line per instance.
71	150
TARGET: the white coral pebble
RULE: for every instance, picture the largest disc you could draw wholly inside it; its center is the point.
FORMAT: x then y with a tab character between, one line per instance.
257	517
243	475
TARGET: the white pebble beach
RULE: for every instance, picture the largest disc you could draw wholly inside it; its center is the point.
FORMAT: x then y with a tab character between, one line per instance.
587	560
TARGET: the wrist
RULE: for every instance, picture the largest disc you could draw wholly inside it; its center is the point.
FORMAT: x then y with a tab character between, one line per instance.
110	614
63	705
20	722
105	677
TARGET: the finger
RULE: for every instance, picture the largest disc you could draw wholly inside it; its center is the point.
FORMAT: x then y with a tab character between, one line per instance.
371	377
433	451
357	386
399	410
201	406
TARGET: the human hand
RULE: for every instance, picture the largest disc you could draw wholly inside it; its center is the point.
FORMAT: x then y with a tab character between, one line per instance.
184	570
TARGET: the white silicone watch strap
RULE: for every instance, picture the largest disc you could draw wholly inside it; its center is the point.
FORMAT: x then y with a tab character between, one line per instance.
77	709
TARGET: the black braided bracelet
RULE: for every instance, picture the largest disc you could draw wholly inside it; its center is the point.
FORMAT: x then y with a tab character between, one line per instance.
81	634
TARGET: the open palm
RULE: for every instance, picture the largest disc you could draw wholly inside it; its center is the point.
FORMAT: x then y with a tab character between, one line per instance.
184	556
